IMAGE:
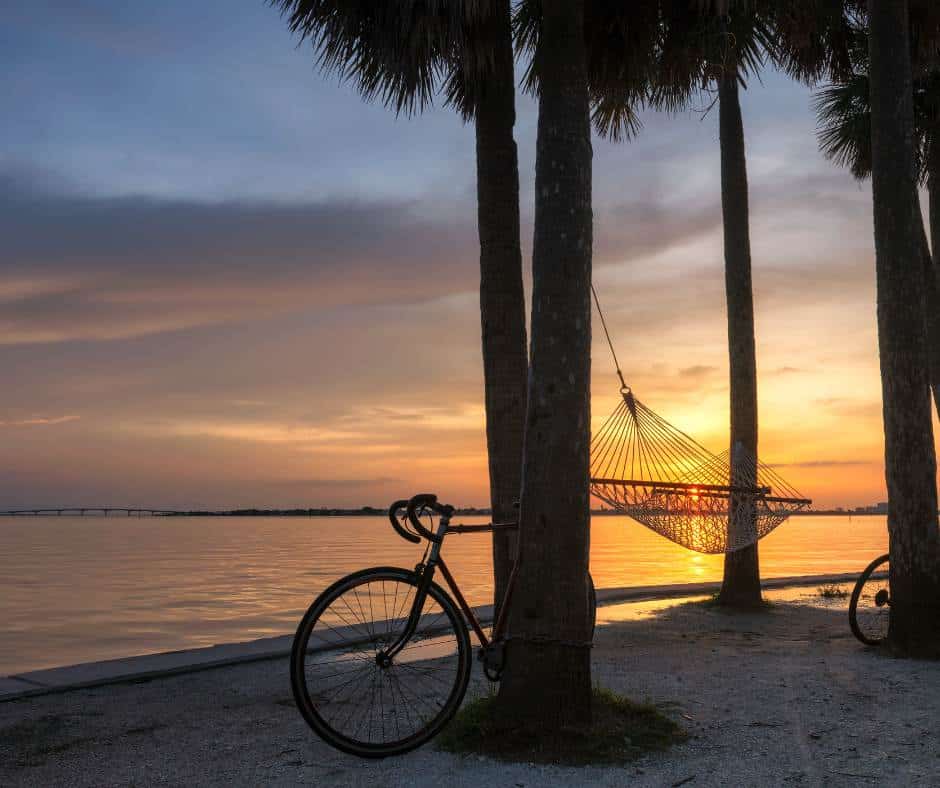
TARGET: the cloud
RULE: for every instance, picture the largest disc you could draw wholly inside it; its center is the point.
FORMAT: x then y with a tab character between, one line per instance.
80	268
697	371
823	464
326	484
39	421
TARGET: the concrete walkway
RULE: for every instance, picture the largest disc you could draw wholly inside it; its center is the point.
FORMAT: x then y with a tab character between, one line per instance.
781	697
113	671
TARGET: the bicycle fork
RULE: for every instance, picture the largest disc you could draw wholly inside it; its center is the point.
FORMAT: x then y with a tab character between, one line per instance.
425	577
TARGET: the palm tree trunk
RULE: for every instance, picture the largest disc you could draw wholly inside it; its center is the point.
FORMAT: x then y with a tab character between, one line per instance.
502	299
741	584
547	680
910	462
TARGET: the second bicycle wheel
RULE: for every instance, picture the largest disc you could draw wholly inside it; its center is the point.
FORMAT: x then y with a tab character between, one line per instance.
870	606
354	698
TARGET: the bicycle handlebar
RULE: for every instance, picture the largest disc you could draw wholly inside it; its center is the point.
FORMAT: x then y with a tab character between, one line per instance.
429	501
393	518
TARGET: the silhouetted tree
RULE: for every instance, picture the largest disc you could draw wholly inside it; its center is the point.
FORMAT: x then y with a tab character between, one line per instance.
403	53
910	461
844	111
714	46
547	680
667	53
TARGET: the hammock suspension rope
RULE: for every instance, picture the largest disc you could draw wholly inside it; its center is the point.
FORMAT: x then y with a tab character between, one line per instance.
644	467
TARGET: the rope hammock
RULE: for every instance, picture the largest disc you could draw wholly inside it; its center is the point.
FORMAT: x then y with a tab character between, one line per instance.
644	467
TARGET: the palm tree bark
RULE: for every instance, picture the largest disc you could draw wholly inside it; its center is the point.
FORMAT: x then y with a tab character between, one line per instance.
741	584
547	680
502	299
910	461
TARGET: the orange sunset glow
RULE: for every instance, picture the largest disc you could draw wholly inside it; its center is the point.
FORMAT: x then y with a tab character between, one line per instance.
532	392
295	322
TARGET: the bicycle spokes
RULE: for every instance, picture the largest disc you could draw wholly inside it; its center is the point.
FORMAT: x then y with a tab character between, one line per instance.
363	683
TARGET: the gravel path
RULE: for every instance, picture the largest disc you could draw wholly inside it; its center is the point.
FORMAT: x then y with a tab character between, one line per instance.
783	697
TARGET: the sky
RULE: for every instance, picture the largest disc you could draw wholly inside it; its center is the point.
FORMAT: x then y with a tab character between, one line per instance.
227	281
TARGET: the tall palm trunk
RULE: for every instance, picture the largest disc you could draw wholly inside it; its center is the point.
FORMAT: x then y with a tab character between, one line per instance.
910	462
741	583
502	300
547	681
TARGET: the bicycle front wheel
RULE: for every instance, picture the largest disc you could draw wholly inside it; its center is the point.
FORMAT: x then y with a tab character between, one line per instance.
349	693
870	606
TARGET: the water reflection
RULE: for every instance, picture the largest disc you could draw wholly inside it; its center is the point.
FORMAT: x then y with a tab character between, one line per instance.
77	589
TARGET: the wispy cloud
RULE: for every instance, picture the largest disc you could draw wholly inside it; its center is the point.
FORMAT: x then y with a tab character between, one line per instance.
698	371
39	421
823	464
328	485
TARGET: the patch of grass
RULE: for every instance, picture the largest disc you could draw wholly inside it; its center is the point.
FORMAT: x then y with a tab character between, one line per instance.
620	731
832	591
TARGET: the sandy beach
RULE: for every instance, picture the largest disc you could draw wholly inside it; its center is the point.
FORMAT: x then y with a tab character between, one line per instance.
782	697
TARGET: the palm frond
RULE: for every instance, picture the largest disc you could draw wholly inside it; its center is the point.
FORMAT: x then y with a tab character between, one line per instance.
400	53
844	115
817	40
843	111
620	40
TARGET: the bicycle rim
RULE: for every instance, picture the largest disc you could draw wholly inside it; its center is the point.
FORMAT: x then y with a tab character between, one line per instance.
870	606
347	695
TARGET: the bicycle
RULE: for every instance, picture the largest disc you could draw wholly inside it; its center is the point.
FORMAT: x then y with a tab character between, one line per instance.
870	605
381	660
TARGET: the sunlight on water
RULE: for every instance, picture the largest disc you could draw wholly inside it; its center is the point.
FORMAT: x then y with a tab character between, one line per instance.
77	589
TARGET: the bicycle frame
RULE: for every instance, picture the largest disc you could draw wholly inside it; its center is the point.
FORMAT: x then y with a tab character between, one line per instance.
435	561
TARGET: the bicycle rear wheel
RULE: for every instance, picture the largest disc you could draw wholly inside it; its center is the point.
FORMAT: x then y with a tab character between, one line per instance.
870	606
351	696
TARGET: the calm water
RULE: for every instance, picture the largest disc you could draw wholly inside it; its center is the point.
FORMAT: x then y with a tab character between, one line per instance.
75	589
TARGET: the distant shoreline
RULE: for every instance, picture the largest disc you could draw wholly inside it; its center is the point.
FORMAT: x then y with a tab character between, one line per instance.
365	511
369	511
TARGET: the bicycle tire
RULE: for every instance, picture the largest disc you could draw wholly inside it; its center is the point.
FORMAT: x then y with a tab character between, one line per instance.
868	634
360	642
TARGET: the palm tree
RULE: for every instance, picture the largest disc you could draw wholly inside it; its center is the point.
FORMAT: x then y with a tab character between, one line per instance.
403	53
910	461
665	53
719	45
547	680
844	111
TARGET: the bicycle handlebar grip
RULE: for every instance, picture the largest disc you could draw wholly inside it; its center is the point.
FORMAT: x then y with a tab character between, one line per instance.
430	501
393	518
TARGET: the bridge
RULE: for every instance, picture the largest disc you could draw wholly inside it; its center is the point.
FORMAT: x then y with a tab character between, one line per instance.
93	511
